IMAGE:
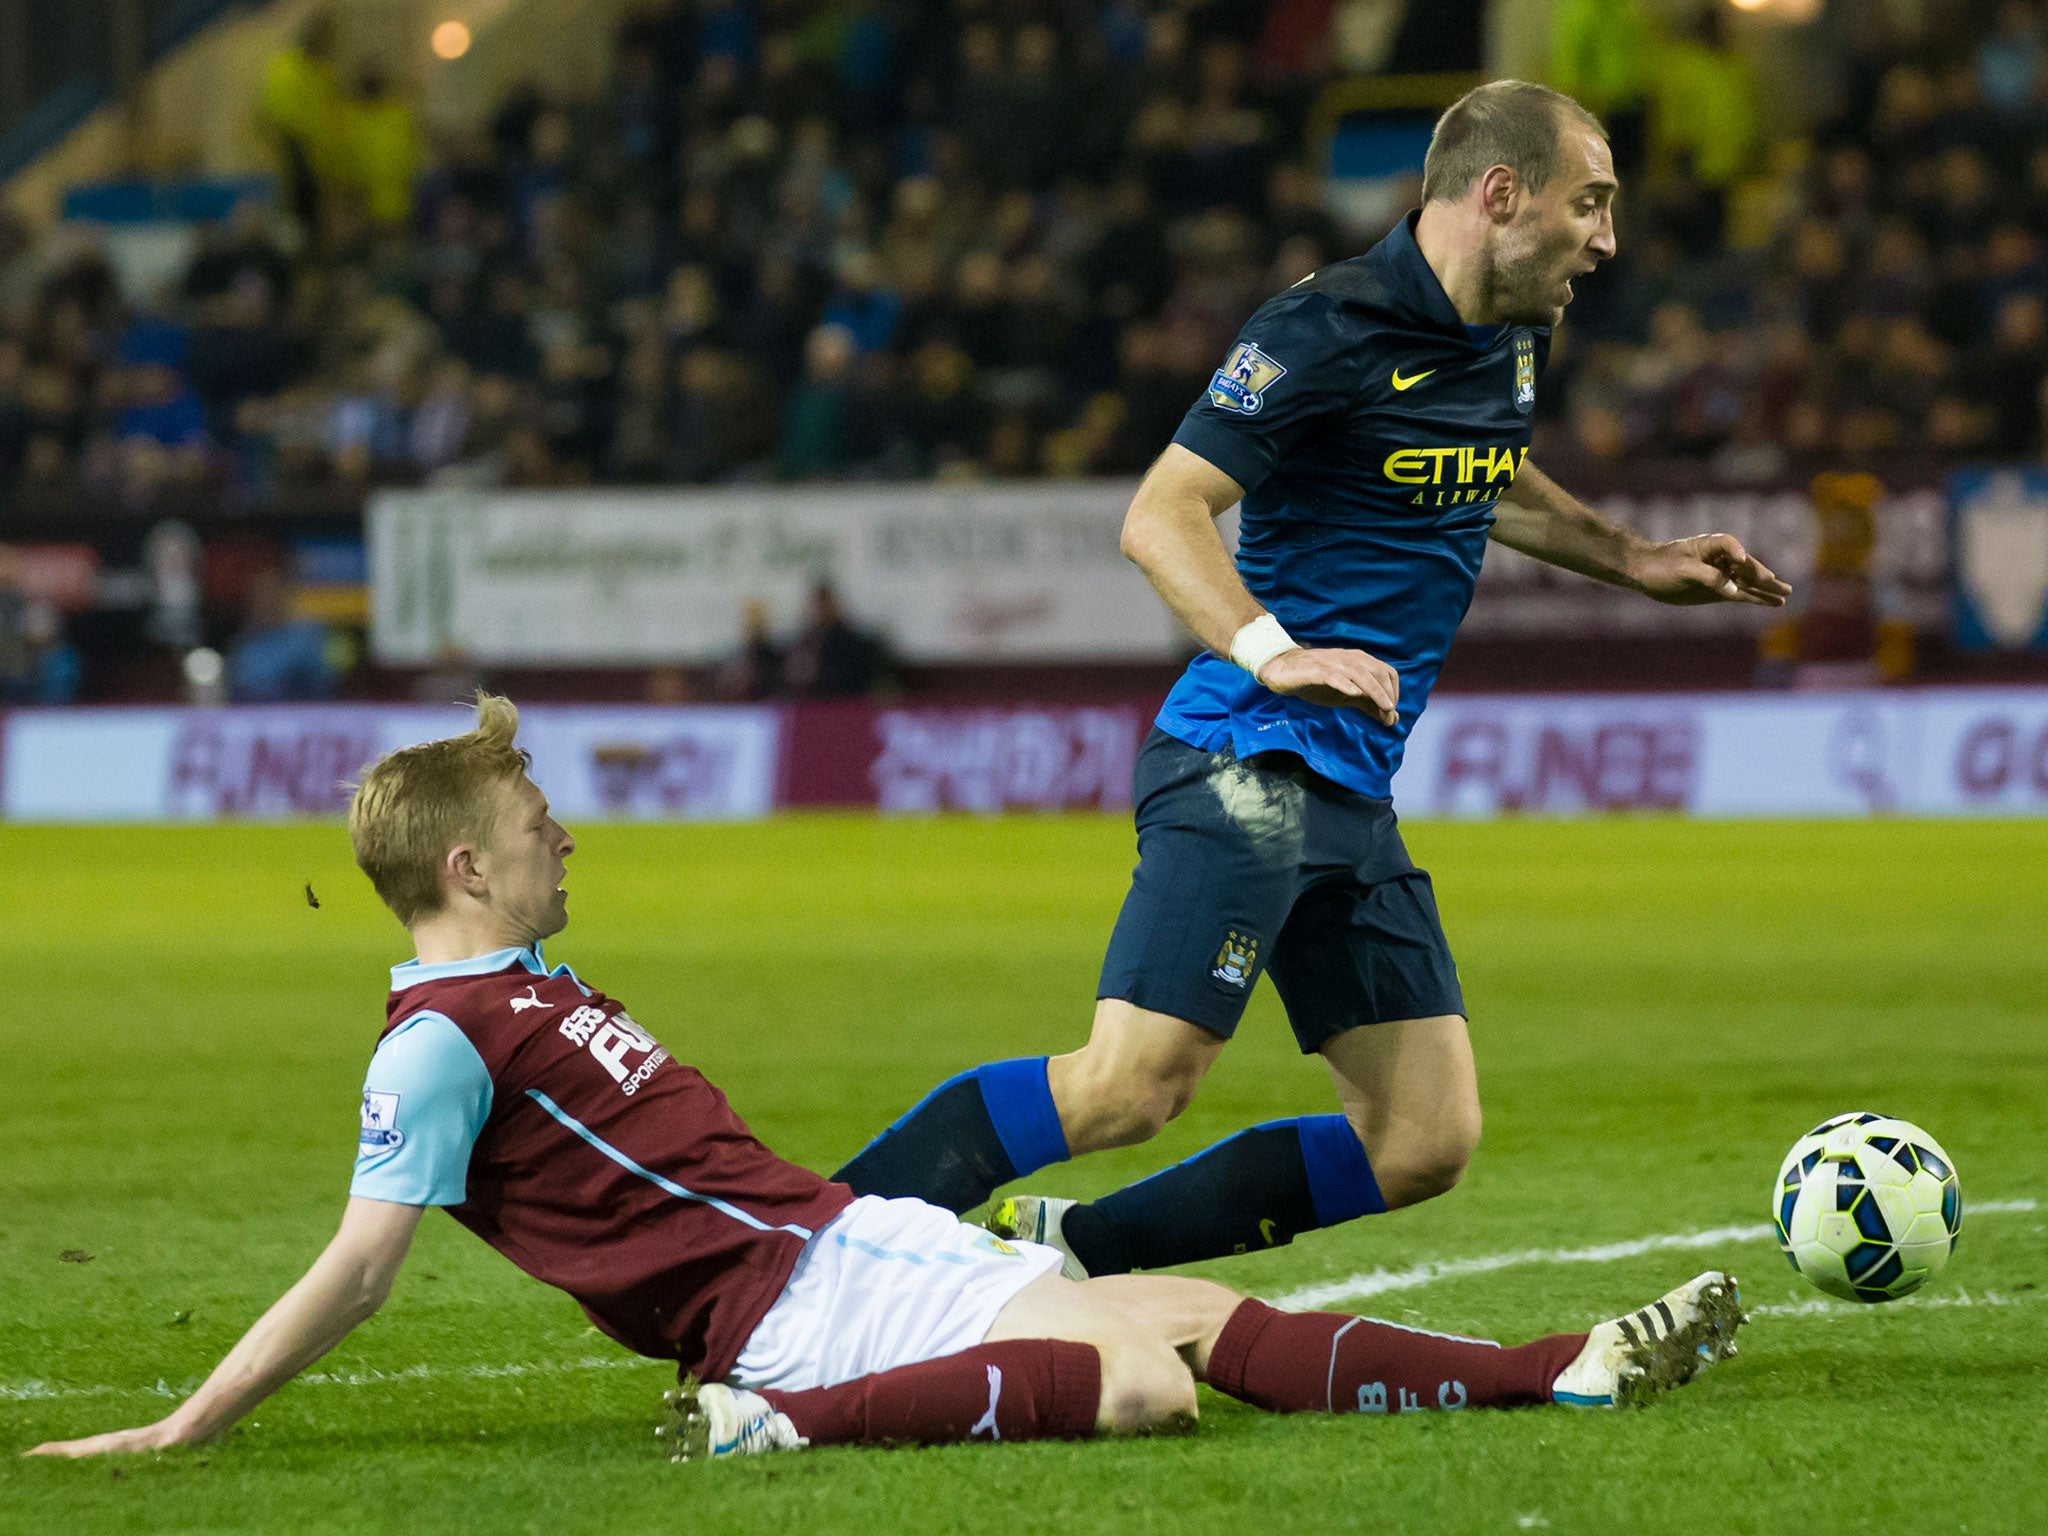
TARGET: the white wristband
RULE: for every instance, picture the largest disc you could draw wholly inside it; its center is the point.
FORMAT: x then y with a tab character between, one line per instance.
1259	642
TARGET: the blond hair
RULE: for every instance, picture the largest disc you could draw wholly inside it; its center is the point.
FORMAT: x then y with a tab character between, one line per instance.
415	804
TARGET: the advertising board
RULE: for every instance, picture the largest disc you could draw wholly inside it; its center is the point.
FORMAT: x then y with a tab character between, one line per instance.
1916	752
1928	752
957	574
617	578
269	763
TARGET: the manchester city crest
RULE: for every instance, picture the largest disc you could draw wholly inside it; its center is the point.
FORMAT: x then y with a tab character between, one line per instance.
1525	371
1241	383
1236	960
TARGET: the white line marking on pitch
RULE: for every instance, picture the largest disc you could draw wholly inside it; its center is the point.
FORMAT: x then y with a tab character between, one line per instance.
1369	1283
1821	1306
1377	1282
43	1391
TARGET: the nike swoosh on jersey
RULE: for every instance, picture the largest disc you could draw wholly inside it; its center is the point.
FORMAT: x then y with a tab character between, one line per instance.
1411	381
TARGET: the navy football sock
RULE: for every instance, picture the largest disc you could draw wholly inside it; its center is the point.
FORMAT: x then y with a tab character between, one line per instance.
964	1139
1257	1189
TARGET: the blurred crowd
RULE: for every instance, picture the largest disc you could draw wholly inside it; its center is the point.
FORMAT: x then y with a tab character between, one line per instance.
1873	289
959	238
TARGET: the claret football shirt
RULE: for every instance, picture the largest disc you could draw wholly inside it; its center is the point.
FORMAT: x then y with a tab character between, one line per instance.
1372	431
561	1133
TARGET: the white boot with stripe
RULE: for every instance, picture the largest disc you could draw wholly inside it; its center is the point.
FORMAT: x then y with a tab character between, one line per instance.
1632	1361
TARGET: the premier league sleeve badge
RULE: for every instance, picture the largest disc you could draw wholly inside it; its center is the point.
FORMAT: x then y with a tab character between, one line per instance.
1241	383
380	1121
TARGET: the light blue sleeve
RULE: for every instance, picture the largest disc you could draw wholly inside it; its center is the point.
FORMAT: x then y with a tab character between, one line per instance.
424	1104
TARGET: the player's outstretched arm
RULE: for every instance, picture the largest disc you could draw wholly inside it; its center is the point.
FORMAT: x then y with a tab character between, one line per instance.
346	1284
1170	534
1542	520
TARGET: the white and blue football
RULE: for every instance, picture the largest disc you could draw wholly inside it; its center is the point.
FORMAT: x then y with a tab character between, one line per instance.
1867	1207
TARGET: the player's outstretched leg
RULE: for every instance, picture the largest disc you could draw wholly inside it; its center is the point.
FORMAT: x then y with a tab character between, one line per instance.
1260	1188
966	1138
1333	1362
1021	1389
1410	1096
1060	1361
981	1129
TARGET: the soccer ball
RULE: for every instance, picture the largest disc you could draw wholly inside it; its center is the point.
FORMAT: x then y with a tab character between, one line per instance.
1867	1207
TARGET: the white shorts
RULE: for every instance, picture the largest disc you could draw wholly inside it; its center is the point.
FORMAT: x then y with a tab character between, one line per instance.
886	1283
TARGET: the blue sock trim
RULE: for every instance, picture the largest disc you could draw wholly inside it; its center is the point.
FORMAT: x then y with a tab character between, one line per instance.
1340	1178
1019	1102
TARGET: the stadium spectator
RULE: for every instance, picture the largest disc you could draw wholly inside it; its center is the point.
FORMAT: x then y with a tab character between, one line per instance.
939	421
382	146
279	657
17	651
816	430
302	104
1601	56
440	427
238	248
830	658
16	423
754	671
2009	60
238	350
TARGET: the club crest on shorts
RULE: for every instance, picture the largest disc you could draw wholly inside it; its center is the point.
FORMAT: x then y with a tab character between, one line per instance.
1236	960
380	1120
1525	371
1241	383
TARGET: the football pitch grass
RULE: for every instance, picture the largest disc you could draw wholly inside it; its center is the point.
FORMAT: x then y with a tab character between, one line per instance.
1660	1007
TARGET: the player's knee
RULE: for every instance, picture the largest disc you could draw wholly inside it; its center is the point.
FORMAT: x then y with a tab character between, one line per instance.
1145	1386
1119	1104
1421	1163
1152	1100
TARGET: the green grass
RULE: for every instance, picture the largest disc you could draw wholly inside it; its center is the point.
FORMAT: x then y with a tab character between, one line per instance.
1660	1007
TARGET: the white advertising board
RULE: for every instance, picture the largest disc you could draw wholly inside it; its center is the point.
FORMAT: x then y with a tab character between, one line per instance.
279	762
1929	752
1925	752
620	578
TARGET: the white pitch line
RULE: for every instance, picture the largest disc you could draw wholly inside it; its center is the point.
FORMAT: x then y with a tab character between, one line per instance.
44	1392
1821	1306
1369	1283
1377	1282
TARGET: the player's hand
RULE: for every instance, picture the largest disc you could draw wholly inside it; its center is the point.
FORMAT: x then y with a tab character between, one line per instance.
160	1436
1708	568
1342	679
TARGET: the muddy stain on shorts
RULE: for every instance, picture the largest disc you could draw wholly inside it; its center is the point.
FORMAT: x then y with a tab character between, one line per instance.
1264	805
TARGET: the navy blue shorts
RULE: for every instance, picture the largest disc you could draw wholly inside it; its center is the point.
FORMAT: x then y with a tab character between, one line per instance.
1260	864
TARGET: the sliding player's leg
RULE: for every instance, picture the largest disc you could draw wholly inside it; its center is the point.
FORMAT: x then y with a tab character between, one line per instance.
1331	1362
902	1325
1061	1360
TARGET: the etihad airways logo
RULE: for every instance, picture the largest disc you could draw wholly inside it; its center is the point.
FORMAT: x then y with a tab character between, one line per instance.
1466	473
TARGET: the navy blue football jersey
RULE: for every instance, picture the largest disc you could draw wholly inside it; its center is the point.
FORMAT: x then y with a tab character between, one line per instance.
1372	431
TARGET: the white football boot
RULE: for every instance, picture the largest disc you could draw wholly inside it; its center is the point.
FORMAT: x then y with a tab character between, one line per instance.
1036	1219
708	1420
1634	1360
